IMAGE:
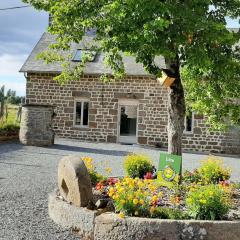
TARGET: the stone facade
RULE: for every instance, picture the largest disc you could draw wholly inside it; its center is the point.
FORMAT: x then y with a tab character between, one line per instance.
104	112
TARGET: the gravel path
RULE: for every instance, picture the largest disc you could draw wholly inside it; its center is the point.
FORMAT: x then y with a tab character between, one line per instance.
28	174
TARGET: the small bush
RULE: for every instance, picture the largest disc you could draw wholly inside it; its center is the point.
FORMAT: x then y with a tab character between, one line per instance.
141	198
135	197
191	177
209	202
213	171
9	127
137	165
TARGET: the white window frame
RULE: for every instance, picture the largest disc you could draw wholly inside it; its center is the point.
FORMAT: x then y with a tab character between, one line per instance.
185	121
82	100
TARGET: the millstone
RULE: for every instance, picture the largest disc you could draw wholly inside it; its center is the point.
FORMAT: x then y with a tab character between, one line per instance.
74	181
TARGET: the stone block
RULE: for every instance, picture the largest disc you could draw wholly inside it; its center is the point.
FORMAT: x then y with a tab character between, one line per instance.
110	226
74	181
68	216
111	139
142	140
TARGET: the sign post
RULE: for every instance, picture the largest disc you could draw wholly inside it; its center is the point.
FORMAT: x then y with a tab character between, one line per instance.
169	168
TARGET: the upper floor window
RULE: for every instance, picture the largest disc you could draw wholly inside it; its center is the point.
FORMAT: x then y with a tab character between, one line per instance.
81	110
84	52
188	122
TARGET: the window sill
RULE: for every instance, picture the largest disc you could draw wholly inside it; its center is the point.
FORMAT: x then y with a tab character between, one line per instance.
80	127
188	133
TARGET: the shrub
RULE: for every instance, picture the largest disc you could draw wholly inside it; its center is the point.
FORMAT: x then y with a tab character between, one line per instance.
134	197
8	127
213	171
141	198
137	165
209	202
191	177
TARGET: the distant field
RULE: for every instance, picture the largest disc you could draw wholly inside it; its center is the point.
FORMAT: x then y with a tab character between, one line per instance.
10	122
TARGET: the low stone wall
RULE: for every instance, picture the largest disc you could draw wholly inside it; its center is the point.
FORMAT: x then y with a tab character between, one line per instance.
69	216
108	226
36	125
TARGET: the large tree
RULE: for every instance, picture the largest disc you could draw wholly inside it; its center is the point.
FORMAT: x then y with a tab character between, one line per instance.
190	34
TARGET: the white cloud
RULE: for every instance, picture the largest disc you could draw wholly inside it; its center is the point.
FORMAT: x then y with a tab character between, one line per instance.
11	64
9	72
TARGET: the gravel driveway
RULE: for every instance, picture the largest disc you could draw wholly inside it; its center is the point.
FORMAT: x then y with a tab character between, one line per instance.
28	174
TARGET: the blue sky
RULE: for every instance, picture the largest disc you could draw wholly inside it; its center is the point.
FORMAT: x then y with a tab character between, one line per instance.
19	31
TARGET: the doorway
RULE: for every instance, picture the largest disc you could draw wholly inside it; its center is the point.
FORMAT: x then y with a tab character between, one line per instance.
128	110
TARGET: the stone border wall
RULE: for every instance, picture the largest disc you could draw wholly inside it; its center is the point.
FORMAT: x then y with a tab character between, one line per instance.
108	226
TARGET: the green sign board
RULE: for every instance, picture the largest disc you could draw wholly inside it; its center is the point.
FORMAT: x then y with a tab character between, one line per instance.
169	168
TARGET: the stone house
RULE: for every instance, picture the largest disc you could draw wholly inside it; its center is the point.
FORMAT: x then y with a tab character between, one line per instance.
133	110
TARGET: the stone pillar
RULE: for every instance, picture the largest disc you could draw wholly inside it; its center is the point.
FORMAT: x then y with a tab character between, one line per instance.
36	125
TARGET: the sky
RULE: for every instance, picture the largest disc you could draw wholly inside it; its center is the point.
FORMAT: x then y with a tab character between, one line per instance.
20	30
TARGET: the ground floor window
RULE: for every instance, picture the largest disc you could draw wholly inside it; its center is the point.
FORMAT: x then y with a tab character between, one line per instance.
81	110
188	123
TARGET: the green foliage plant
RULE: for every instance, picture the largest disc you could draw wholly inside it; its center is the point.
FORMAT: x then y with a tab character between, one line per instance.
169	213
209	202
213	171
137	165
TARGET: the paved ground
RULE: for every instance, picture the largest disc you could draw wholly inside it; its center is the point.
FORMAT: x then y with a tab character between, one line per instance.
28	174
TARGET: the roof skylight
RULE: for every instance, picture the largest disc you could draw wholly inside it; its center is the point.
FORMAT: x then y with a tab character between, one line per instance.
84	52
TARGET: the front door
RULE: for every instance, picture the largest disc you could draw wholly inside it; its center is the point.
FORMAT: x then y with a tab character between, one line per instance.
128	123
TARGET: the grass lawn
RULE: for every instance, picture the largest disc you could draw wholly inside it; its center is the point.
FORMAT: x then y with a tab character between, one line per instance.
10	123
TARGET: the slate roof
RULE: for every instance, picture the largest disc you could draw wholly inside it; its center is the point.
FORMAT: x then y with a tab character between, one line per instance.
96	67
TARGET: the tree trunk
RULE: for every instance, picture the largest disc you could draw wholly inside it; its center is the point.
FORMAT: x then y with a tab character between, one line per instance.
176	110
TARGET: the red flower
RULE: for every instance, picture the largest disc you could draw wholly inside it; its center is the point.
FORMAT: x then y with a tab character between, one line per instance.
112	181
99	186
225	183
148	175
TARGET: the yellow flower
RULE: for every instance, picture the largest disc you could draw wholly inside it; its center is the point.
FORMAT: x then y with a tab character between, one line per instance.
154	198
123	201
129	198
135	201
160	194
141	201
120	190
111	189
108	170
203	201
121	215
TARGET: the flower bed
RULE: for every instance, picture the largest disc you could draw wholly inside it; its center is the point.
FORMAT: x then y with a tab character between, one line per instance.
142	207
205	194
94	225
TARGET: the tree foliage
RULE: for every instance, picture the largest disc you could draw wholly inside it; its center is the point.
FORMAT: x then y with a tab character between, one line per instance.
192	31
